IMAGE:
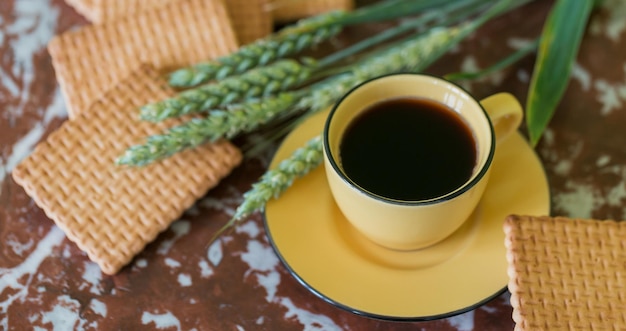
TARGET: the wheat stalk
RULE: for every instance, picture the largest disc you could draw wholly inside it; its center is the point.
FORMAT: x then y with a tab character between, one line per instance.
306	33
219	124
264	81
412	56
274	182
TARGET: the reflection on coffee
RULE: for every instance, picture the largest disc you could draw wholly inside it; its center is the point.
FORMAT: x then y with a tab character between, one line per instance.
408	149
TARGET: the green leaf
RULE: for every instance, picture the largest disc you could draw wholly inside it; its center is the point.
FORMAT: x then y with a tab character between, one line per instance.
560	40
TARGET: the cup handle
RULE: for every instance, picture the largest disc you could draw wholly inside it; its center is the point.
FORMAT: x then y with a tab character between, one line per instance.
505	113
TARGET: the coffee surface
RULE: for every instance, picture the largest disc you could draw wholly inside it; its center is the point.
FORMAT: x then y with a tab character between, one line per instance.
408	149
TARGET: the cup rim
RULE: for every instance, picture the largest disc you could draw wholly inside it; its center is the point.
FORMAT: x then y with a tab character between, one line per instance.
446	197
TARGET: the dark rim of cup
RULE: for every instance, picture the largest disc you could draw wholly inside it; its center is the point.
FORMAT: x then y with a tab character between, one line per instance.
449	196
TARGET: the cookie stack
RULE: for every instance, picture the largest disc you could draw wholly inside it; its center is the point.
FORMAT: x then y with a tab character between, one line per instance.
106	71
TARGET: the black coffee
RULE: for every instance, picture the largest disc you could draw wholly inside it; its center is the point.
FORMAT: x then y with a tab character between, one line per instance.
408	149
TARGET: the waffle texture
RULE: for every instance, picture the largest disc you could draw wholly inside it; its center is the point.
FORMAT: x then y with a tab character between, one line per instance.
286	11
566	274
94	58
112	212
100	11
250	18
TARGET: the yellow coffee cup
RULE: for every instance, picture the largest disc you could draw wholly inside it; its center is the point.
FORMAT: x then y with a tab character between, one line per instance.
407	156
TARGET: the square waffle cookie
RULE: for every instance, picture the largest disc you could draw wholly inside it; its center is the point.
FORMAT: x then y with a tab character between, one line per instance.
566	274
94	58
111	212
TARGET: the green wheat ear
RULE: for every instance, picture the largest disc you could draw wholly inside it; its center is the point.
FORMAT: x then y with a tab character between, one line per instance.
264	81
219	124
292	40
274	182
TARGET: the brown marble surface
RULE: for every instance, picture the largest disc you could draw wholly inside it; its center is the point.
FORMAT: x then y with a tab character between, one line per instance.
238	283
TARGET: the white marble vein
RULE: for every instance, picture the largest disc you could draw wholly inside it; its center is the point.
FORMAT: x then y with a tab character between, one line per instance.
161	321
10	278
180	228
613	26
33	27
29	34
463	322
92	276
98	307
65	315
25	145
215	253
263	262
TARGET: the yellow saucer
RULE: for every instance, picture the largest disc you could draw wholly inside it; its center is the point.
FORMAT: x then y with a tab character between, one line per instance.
328	256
